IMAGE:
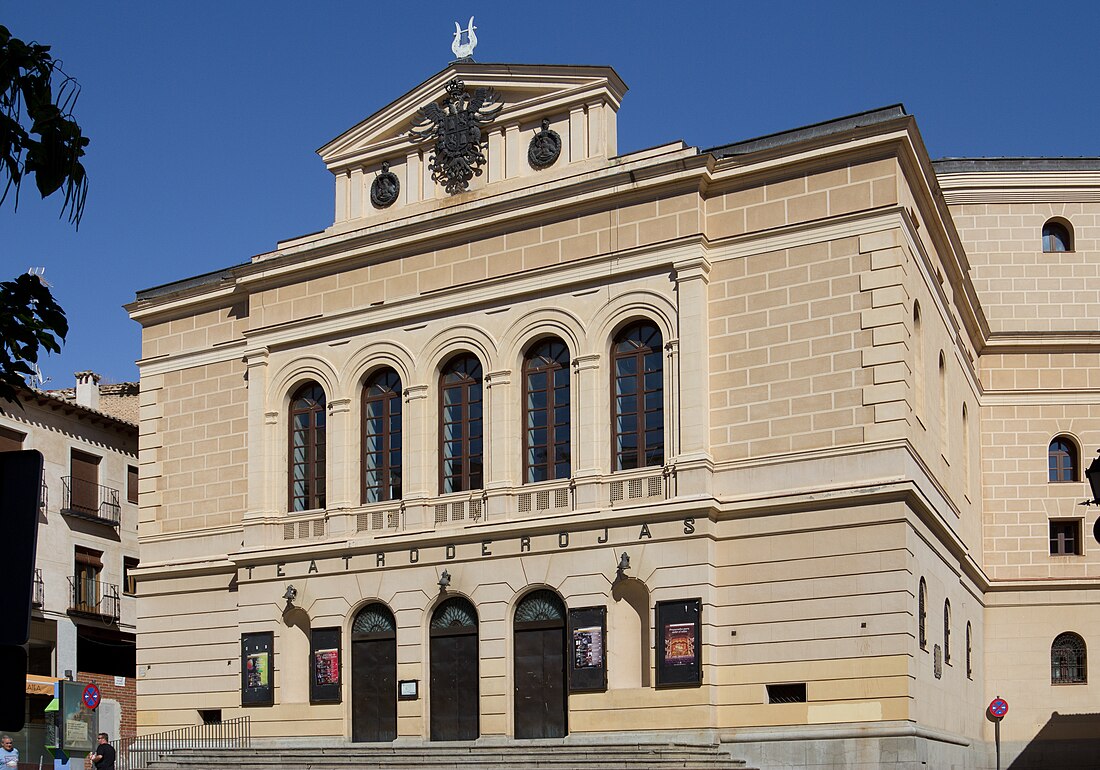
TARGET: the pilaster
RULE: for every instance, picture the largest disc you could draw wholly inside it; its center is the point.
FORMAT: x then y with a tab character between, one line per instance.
689	362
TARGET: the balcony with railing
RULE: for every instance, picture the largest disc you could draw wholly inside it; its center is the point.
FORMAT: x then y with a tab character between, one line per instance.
37	598
91	501
94	599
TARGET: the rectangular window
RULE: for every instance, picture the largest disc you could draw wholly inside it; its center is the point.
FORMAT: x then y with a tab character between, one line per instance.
1065	538
84	490
131	484
11	440
129	582
87	564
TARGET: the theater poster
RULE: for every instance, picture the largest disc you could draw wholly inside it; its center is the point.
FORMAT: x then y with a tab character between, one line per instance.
258	669
324	657
679	643
588	649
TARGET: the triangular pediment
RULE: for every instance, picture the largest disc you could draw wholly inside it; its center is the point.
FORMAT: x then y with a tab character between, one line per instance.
526	91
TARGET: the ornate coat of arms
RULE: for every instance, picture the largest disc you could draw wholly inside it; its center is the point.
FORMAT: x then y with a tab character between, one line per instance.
455	125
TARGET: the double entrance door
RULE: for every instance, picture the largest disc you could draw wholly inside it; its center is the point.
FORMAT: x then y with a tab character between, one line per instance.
374	667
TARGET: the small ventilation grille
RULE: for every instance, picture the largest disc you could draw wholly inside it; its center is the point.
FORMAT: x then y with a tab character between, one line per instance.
787	693
303	529
318	527
441	514
475	509
362	522
393	519
525	502
376	520
542	500
458	511
561	498
649	487
288	532
300	530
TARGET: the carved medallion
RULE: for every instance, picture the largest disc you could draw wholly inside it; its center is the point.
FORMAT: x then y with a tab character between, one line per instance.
454	127
385	187
545	147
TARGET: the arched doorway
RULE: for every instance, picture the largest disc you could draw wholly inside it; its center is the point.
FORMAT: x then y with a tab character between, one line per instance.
539	657
453	686
374	674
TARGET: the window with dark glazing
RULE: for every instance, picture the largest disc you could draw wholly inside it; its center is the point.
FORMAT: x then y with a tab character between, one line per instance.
1062	460
1068	663
1065	538
546	412
637	398
382	437
1056	237
307	448
460	425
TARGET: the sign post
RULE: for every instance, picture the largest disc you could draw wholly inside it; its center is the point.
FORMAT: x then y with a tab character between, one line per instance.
998	707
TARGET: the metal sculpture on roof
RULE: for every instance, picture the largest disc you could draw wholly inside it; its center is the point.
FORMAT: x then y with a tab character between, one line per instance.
464	50
455	126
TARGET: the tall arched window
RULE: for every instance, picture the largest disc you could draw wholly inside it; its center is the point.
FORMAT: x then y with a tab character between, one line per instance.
460	425
922	614
946	631
966	449
918	360
1067	660
382	437
942	367
307	448
1062	460
546	412
637	398
969	651
1056	237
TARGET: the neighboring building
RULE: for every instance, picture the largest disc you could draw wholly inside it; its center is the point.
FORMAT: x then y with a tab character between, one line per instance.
752	442
83	616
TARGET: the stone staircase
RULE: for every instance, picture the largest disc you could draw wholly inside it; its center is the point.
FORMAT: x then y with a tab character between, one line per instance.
457	756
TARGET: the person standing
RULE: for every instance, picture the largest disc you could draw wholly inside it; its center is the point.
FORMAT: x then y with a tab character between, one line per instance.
104	755
9	755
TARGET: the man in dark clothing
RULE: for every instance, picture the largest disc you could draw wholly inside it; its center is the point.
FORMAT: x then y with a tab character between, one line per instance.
104	755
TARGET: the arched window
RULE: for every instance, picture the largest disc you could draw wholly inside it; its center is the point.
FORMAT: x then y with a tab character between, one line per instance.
307	448
966	449
946	631
942	366
546	412
922	614
637	398
382	437
460	425
918	360
1067	660
969	651
1062	460
1056	237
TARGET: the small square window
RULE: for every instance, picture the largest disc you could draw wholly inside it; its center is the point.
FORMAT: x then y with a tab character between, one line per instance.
1065	538
129	582
787	693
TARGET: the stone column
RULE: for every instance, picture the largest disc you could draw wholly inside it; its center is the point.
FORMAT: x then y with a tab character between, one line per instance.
417	471
589	431
340	461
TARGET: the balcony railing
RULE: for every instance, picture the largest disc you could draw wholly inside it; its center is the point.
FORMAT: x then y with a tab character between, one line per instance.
39	588
91	501
93	598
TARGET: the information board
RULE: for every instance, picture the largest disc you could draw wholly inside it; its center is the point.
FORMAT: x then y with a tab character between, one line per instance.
588	649
679	643
258	669
324	661
78	724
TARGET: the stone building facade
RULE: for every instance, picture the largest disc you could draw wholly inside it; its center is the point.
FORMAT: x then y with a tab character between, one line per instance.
749	444
83	615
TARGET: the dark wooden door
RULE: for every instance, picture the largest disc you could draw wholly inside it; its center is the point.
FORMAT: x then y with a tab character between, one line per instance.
374	689
540	681
454	686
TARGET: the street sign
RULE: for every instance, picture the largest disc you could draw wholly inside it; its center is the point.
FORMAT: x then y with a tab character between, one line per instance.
998	707
91	696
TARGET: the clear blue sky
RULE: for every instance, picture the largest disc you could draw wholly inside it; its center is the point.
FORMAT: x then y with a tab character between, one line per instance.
204	116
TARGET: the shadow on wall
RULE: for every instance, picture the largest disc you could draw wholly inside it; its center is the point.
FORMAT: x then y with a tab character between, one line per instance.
1067	741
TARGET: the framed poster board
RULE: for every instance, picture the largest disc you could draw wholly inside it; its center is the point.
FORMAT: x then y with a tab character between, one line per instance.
679	643
258	669
588	649
324	665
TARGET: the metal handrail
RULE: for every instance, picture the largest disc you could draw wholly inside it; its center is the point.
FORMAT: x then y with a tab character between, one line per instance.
93	597
137	753
89	500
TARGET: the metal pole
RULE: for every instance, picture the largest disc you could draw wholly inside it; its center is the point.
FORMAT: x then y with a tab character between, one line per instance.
997	740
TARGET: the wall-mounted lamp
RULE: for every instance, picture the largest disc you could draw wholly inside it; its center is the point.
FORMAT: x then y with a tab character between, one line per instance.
1092	473
624	565
290	595
444	581
69	674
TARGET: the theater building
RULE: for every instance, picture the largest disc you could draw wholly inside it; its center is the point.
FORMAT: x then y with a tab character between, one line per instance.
777	444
